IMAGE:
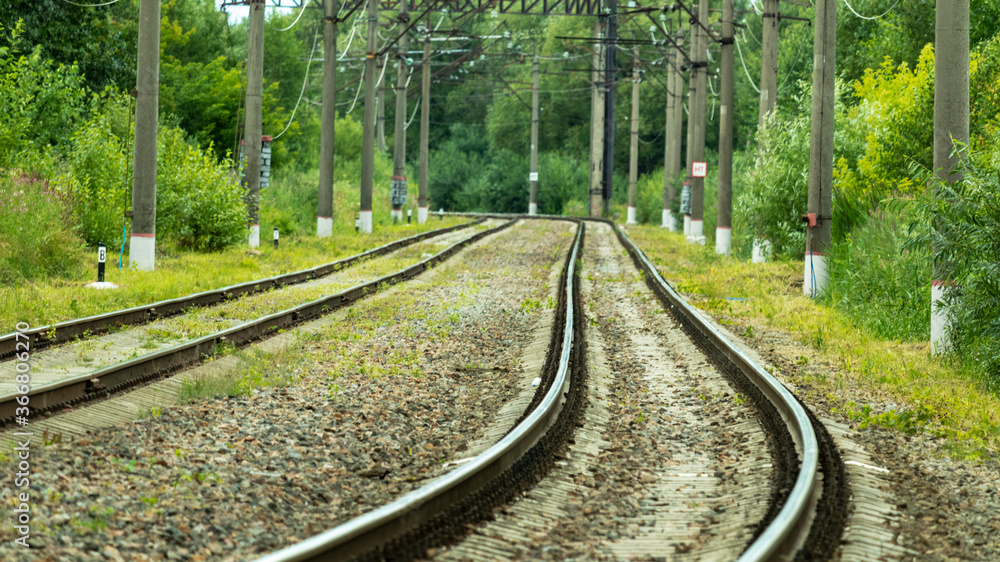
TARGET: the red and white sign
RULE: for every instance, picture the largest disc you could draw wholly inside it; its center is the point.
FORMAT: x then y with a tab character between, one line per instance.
699	169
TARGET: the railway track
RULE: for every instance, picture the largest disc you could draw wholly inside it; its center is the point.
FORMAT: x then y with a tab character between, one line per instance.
532	483
616	389
84	328
52	390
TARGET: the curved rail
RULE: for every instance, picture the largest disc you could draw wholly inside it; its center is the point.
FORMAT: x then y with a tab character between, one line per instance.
378	527
780	535
121	375
783	533
44	336
786	528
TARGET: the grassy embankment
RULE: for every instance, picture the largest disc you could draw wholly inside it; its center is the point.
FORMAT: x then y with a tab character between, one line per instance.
177	274
934	394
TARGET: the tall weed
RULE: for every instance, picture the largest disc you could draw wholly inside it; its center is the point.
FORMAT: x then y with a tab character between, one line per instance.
966	245
36	239
881	283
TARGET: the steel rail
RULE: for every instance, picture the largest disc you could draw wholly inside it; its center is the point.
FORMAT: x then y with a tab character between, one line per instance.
781	535
785	530
115	377
48	335
378	527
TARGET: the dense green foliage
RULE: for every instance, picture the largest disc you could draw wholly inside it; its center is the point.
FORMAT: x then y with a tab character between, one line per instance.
966	242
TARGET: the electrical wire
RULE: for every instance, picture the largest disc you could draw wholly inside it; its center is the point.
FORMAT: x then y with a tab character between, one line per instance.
302	10
90	5
415	108
349	40
358	91
379	81
305	80
743	62
744	32
870	18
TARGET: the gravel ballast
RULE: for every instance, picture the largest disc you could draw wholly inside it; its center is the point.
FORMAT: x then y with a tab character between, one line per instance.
376	406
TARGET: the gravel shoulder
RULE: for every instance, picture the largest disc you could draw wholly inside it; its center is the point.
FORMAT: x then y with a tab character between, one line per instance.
368	408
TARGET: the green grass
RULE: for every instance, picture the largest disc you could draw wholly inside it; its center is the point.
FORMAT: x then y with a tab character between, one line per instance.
935	394
177	274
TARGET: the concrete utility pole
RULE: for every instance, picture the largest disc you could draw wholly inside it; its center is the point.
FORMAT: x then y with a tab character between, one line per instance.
696	122
381	103
724	215
397	190
368	135
597	128
425	125
675	131
142	246
610	69
768	62
633	149
533	173
324	214
254	117
668	143
820	205
951	121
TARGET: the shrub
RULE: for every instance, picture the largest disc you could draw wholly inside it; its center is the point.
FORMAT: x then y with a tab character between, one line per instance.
561	177
888	128
36	239
97	183
966	240
883	286
200	203
774	198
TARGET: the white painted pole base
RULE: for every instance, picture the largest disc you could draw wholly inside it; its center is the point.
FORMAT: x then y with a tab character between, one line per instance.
817	277
696	233
324	227
687	225
631	216
940	320
761	250
421	215
142	252
253	237
396	215
723	240
365	222
532	208
667	220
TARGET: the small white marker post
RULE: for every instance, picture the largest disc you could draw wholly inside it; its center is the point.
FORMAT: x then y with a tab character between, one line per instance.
102	257
275	237
441	213
409	216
